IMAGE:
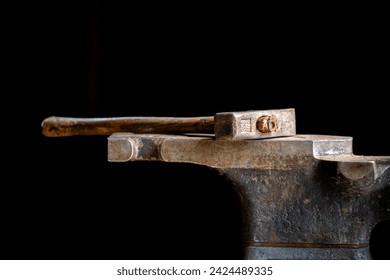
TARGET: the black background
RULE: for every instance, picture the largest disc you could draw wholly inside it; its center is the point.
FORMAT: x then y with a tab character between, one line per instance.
61	199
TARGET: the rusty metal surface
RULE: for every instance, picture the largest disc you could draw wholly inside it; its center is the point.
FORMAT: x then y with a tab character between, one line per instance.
267	153
302	197
255	124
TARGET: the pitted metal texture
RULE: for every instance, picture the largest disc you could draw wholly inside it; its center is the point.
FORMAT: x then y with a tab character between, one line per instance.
302	197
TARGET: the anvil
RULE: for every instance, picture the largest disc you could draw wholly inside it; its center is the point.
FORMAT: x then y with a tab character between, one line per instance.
302	196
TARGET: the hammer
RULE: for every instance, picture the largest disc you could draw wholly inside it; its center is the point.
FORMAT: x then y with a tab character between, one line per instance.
226	125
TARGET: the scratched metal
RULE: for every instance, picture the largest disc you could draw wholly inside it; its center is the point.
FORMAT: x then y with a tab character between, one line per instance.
255	124
302	197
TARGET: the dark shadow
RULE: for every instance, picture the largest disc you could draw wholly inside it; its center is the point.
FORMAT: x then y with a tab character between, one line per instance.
380	241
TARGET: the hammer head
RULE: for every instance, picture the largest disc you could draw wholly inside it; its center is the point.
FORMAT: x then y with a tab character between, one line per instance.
254	124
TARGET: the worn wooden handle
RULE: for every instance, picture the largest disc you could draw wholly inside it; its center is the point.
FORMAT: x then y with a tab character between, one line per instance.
64	126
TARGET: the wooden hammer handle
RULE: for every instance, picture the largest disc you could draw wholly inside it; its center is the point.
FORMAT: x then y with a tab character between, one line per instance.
64	126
